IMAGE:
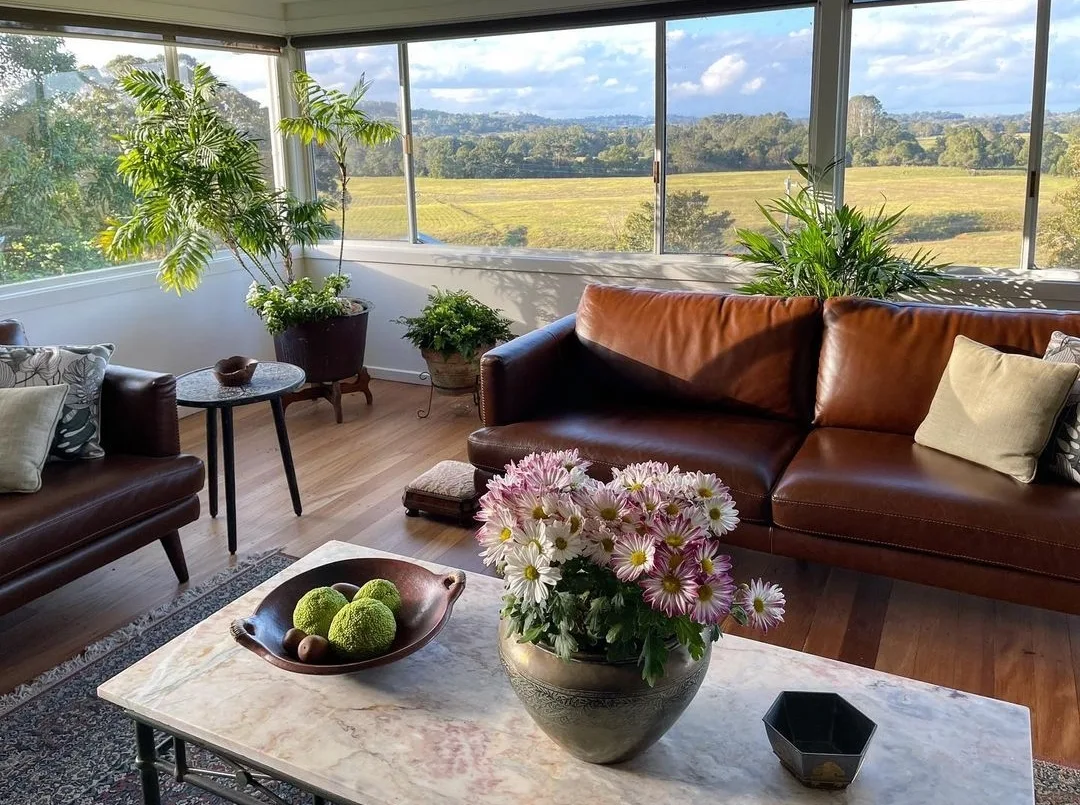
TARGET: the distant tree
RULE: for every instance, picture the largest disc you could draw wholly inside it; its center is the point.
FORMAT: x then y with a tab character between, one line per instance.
1059	231
865	116
965	147
689	225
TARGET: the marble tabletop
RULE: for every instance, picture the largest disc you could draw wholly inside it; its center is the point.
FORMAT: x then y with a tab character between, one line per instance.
443	725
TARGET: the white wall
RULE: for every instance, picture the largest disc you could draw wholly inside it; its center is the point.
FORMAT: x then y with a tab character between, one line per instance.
534	289
152	329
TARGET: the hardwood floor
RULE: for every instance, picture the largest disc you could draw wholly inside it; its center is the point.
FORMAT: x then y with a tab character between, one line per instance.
351	477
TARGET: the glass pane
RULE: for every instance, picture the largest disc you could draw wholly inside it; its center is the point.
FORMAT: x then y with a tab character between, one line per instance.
938	122
738	111
245	99
60	105
536	140
375	205
1058	244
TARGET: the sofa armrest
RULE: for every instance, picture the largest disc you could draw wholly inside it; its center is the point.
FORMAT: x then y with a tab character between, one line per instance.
138	413
520	378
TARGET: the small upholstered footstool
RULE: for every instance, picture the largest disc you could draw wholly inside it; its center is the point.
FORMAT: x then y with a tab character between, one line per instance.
447	490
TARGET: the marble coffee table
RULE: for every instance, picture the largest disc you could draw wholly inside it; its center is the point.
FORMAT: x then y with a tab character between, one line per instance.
443	725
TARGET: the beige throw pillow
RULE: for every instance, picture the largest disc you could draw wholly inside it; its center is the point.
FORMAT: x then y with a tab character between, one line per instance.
995	409
28	419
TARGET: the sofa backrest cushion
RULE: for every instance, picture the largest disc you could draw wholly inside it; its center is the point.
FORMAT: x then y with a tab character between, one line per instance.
743	353
881	362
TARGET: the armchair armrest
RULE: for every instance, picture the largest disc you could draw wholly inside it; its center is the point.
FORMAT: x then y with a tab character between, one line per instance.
520	378
138	413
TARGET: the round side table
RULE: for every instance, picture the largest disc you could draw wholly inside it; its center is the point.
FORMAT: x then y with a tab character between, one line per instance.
200	389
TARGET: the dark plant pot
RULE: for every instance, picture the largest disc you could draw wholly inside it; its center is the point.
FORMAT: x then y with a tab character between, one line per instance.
328	350
598	711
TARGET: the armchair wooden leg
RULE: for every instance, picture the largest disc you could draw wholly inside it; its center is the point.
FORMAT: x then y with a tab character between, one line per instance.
175	551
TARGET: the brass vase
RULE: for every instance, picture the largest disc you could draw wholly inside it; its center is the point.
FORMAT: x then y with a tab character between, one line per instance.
599	711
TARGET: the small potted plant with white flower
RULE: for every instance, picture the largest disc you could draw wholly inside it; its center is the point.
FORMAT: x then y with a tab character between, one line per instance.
615	593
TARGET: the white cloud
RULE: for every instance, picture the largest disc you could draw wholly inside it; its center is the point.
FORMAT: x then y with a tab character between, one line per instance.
461	94
592	79
611	82
717	77
753	85
675	35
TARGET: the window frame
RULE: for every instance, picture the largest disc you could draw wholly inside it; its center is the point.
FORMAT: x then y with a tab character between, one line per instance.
831	72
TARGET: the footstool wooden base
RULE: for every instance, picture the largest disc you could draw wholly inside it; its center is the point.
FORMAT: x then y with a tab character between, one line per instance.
446	490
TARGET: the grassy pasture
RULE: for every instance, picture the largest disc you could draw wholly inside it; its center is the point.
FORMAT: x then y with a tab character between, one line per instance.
968	218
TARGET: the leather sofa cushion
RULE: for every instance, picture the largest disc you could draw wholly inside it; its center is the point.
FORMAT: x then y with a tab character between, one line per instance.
81	501
741	353
883	488
747	453
881	362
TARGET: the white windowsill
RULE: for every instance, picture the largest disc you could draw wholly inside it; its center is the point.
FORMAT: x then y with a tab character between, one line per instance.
1013	284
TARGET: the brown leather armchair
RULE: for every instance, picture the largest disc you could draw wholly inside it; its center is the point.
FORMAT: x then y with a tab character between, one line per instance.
89	513
807	410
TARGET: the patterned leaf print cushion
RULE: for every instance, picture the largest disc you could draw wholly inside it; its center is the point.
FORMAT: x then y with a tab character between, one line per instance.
78	434
1063	453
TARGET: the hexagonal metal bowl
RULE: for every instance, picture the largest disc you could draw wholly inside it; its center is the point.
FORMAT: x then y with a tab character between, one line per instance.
820	738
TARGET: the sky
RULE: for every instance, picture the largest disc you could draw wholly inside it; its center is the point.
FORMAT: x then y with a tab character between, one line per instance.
969	56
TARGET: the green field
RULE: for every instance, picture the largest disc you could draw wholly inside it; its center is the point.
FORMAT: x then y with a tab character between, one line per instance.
968	218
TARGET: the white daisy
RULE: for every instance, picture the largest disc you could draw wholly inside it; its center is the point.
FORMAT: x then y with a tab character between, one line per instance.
704	486
599	547
529	574
534	532
763	603
496	537
562	543
633	555
722	515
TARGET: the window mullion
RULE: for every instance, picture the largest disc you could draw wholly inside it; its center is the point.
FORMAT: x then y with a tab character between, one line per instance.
172	63
1035	136
407	141
829	88
660	134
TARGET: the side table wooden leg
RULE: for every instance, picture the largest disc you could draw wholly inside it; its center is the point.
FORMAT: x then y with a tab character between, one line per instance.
286	454
145	755
230	475
211	457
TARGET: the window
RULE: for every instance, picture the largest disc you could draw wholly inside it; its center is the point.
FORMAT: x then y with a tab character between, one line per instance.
376	205
245	98
738	113
938	123
538	140
60	104
1058	244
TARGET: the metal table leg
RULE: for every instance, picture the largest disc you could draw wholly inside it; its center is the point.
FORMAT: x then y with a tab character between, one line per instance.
146	755
211	457
286	453
230	475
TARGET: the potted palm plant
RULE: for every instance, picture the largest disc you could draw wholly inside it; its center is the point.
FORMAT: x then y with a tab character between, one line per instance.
830	250
329	350
452	332
198	185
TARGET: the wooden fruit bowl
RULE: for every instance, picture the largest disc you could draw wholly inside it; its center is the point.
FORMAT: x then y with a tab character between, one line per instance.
426	602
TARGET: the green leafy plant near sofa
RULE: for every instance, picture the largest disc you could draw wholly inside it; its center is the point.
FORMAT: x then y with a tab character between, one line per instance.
828	251
455	323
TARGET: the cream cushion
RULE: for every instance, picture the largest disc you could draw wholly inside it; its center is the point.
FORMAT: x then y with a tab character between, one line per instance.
28	419
995	409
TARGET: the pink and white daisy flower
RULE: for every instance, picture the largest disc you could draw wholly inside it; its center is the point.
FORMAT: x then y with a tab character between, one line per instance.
530	505
633	556
529	574
670	591
608	507
569	459
562	543
600	547
713	600
532	532
570	513
704	486
678	531
764	604
710	562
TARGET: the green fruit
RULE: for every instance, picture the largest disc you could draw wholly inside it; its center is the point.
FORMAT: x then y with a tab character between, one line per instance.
362	629
381	590
316	610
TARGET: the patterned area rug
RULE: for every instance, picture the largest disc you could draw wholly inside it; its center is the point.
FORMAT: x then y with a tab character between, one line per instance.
61	745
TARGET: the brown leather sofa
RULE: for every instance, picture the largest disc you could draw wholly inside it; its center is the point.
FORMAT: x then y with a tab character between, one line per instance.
807	410
89	513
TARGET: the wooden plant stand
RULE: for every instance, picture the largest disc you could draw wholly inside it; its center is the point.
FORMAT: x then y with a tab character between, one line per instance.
332	391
